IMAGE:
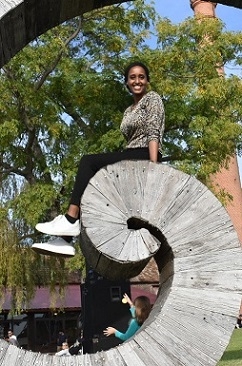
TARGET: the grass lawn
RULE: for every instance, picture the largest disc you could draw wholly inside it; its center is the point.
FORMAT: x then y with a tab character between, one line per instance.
233	354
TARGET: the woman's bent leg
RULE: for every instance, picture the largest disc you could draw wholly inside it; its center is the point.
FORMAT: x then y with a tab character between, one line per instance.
67	226
91	164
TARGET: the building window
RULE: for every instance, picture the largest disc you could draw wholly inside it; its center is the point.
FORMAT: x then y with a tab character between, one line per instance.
115	293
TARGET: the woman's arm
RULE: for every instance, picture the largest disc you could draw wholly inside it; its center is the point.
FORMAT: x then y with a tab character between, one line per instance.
154	123
153	150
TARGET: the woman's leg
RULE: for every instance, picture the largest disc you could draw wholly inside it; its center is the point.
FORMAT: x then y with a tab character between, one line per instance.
68	226
91	164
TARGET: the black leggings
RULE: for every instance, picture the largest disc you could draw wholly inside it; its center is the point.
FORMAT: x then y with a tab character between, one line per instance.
91	164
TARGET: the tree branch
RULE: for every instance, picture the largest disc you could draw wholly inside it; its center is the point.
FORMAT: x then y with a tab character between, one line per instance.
59	56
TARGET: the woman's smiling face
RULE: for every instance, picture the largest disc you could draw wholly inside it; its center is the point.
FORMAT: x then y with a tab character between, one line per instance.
137	81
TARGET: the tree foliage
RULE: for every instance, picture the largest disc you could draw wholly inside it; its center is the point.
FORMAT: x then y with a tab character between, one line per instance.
63	96
202	104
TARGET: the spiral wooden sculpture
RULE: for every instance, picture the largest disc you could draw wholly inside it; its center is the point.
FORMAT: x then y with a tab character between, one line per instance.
135	210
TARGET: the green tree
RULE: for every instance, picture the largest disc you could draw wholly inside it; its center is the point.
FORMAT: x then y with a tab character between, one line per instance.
62	96
203	108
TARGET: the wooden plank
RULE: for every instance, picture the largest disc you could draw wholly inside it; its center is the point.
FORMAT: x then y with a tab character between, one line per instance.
221	280
128	353
212	262
170	347
47	14
128	245
3	350
15	356
101	205
129	179
109	358
178	328
105	185
162	185
9	29
213	301
152	352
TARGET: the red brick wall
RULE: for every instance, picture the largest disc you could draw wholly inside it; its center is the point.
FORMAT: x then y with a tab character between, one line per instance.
229	180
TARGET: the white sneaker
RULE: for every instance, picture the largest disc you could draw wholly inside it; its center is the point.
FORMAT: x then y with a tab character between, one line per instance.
60	226
55	246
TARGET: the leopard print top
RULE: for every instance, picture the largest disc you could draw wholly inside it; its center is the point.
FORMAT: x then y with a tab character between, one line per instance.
145	122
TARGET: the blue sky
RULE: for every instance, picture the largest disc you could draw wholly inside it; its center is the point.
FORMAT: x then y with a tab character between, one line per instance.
178	10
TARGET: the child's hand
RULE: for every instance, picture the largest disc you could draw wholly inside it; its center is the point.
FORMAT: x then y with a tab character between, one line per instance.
126	299
109	331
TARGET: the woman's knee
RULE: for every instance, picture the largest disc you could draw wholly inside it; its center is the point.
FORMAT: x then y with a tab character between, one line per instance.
88	162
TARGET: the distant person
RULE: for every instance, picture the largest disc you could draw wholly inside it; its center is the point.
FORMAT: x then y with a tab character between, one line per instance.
12	338
140	311
61	338
64	351
76	348
239	322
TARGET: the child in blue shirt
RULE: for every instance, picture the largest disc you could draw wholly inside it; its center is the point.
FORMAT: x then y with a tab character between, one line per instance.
140	310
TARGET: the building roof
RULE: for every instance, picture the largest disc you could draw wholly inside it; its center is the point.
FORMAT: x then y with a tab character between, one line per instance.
43	299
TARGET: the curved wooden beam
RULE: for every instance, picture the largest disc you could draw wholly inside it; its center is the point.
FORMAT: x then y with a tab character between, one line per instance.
198	255
199	258
22	21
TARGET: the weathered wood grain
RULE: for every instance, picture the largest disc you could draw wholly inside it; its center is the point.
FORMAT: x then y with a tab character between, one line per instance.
180	223
199	259
122	240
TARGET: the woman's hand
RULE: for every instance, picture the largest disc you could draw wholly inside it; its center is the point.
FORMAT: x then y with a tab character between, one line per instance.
109	331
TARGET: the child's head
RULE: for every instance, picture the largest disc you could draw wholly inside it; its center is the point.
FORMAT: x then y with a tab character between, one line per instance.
142	308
